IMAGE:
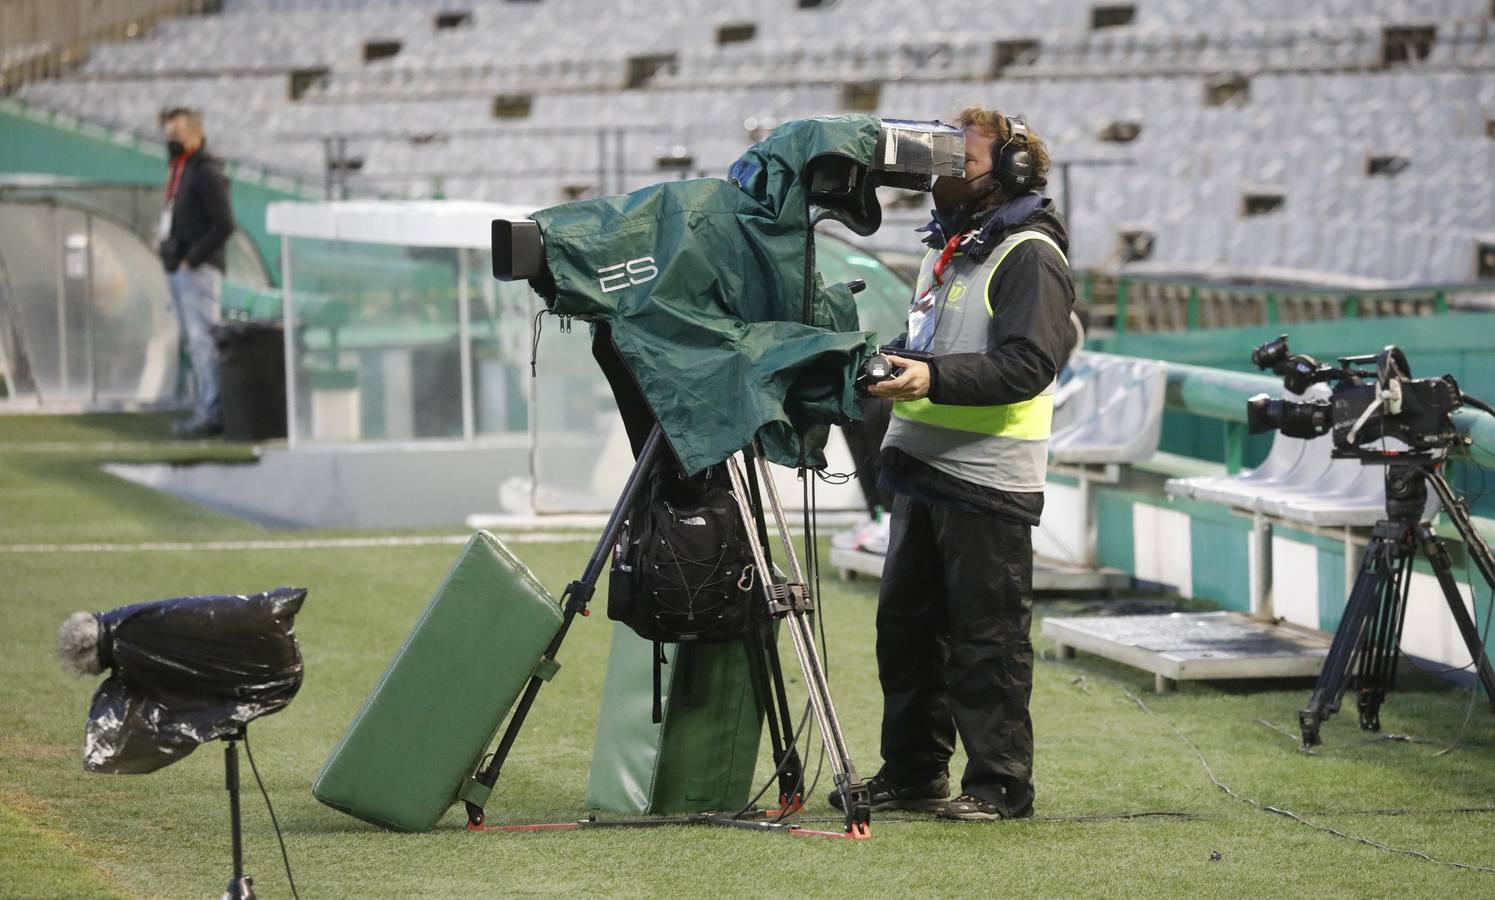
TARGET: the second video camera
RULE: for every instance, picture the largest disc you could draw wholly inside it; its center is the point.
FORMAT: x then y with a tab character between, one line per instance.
1364	404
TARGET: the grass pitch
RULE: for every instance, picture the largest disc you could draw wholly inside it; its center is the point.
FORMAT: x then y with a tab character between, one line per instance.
1125	803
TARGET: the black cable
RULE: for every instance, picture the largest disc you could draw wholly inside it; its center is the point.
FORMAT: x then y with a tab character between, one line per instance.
778	770
284	857
1230	792
791	749
1287	734
836	477
883	819
1484	640
799	787
1474	687
534	345
1478	404
812	533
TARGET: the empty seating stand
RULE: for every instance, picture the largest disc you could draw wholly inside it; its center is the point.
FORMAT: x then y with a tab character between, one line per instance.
1109	410
1299	482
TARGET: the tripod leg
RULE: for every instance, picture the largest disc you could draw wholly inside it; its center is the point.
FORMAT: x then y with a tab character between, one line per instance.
802	635
1380	649
1365	597
578	593
241	886
790	789
1437	556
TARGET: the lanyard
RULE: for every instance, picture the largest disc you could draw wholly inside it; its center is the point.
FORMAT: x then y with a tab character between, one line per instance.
922	319
174	180
941	264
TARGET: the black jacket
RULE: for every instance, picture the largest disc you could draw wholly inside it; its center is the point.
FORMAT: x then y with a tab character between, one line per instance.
1031	338
201	218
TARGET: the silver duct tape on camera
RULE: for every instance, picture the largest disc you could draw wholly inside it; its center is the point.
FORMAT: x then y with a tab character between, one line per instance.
912	154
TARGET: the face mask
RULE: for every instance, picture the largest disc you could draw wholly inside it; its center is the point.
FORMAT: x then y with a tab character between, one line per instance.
175	149
953	197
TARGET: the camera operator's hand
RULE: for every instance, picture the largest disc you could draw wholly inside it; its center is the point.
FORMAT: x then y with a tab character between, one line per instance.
911	384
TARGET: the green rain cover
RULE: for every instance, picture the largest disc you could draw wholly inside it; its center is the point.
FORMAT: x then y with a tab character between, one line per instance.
703	284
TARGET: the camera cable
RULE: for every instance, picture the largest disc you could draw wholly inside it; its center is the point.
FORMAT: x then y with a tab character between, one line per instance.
812	540
1482	406
1276	810
1287	813
285	857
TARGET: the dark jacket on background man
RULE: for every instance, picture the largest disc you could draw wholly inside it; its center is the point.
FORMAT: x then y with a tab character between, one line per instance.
1030	301
201	218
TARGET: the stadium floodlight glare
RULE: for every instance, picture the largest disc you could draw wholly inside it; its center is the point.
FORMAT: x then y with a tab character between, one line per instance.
182	672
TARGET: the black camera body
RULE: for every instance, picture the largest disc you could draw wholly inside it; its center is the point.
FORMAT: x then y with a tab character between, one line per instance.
1364	405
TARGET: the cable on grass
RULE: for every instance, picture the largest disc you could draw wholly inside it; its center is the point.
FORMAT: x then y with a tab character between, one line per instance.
1287	813
284	857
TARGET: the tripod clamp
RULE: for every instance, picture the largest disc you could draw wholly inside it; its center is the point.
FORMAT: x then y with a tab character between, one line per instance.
577	595
789	597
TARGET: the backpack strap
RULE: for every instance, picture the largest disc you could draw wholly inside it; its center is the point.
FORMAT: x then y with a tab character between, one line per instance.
659	661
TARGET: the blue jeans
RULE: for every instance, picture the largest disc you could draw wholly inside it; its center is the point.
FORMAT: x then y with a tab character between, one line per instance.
195	294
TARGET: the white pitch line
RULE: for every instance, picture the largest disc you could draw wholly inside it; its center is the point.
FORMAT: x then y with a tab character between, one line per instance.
101	446
311	544
535	537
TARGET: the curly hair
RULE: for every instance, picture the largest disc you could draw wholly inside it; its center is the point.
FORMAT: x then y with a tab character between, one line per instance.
994	123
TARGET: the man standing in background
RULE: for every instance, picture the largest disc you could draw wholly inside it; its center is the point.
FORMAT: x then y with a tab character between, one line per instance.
195	227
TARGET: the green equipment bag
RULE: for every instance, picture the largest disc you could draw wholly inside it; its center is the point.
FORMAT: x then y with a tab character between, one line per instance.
411	751
702	755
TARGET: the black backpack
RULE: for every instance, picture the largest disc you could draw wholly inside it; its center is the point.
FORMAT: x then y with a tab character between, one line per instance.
683	569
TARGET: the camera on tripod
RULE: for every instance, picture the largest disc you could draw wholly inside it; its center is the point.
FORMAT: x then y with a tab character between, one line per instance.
1364	406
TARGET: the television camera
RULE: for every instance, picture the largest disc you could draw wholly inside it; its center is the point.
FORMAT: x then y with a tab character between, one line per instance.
1365	407
1372	397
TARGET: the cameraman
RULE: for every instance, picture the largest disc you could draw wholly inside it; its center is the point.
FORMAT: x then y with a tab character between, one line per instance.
965	457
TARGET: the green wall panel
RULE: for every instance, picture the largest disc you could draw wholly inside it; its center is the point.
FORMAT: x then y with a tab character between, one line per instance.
1113	520
1221	557
1333	592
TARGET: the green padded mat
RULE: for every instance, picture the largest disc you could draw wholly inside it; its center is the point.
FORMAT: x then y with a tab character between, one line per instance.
701	758
424	729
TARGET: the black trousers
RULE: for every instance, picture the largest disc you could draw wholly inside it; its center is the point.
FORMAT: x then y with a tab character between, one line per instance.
864	440
953	651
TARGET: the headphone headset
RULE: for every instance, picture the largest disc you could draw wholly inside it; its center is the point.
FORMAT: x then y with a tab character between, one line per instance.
1011	164
1011	172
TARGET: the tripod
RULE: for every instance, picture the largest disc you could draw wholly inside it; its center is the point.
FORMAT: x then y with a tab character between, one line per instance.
241	886
788	600
1368	639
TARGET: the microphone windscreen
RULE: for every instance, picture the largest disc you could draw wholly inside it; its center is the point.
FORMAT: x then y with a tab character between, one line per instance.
78	644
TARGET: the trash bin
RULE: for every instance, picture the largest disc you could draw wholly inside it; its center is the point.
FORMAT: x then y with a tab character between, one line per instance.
251	380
